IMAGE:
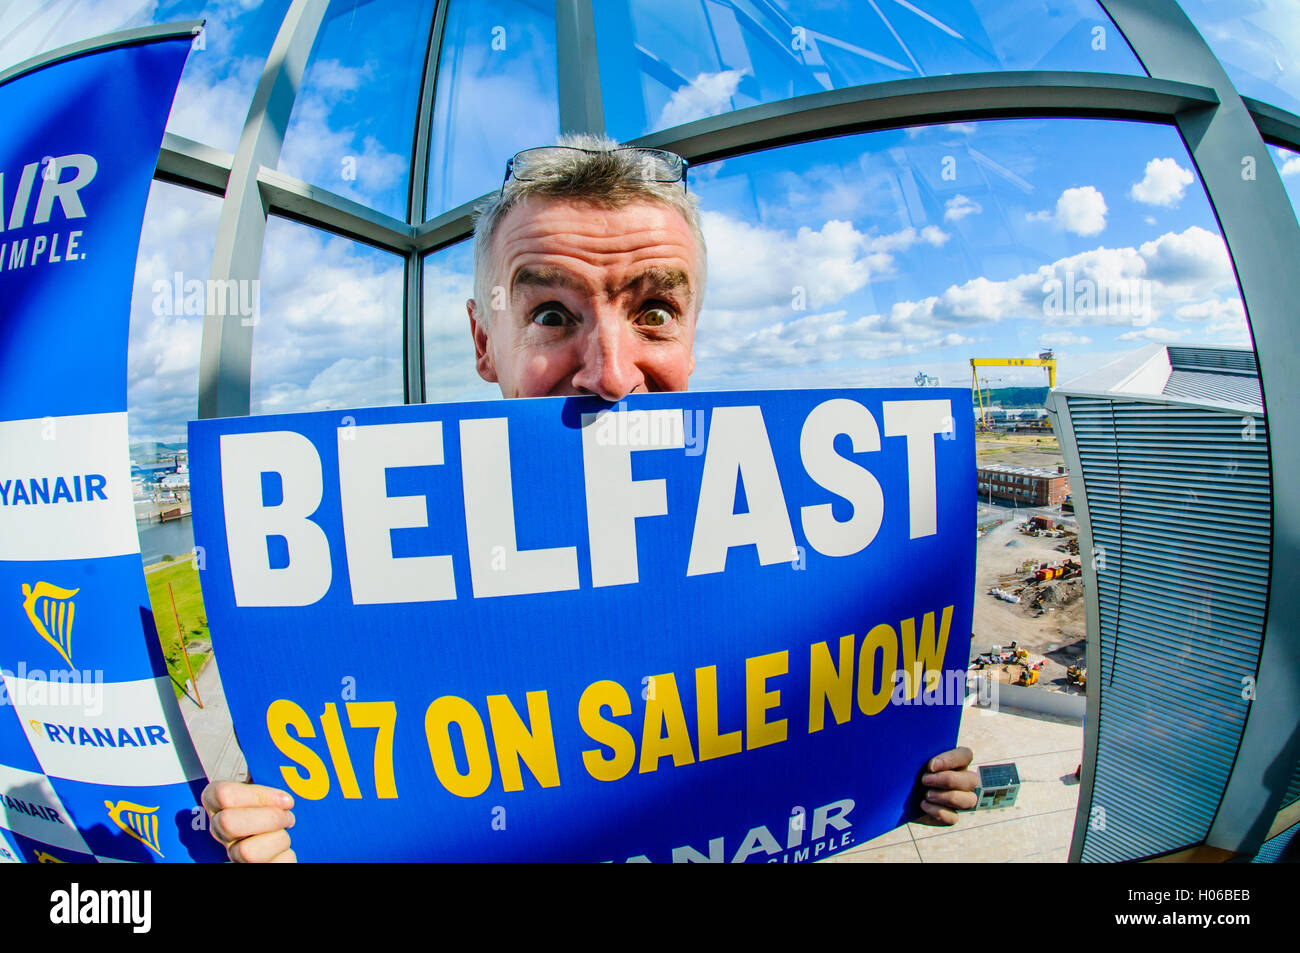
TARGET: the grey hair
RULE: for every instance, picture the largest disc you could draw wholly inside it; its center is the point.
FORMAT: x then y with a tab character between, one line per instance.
607	179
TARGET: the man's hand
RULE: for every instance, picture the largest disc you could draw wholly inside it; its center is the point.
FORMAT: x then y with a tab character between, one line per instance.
251	821
950	785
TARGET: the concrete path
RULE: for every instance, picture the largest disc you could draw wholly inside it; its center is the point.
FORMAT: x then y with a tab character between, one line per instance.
1037	829
210	727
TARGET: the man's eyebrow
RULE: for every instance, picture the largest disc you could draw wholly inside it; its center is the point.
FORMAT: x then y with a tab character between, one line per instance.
661	279
544	278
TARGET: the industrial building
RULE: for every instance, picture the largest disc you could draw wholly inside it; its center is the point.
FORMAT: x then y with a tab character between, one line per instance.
1023	486
1169	448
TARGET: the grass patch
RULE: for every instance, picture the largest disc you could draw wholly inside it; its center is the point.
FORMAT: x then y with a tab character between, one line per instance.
184	580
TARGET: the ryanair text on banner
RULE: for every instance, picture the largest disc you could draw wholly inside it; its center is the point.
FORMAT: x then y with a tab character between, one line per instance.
95	760
716	626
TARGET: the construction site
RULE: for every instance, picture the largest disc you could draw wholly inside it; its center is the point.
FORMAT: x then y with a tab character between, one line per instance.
1029	607
1028	626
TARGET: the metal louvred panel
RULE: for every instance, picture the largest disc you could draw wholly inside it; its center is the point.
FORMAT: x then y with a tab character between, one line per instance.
1179	510
1222	359
1197	385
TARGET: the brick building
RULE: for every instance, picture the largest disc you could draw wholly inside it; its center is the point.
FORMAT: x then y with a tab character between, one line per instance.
1024	486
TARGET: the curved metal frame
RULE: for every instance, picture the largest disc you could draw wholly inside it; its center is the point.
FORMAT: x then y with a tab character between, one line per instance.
1187	89
121	38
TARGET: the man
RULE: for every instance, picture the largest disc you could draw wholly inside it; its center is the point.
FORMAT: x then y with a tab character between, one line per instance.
589	273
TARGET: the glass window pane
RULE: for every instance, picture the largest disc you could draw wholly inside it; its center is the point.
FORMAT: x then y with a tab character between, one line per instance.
1288	164
496	94
223	70
220	76
1258	44
354	119
328	335
27	29
449	368
172	269
869	259
695	58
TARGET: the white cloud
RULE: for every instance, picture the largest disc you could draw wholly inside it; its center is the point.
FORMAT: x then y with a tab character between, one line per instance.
1291	166
1187	259
327	336
1231	330
707	95
348	305
754	271
28	27
958	207
163	351
1211	309
1159	335
1164	183
1186	274
1062	339
1080	210
449	369
357	167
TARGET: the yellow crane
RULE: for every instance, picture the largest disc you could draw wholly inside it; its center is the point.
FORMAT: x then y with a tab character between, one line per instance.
1044	359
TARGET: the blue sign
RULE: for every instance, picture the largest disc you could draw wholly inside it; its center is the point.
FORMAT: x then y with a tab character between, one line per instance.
95	760
689	626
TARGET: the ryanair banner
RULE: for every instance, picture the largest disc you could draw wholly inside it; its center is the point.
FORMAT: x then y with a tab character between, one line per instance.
684	627
95	761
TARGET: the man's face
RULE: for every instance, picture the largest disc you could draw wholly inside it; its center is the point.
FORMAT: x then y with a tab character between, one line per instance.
598	301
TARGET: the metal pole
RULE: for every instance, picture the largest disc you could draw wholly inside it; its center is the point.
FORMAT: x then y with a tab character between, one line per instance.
226	354
581	106
185	649
1261	231
417	200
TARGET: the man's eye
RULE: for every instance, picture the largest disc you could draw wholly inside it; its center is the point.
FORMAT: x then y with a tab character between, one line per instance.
551	318
656	317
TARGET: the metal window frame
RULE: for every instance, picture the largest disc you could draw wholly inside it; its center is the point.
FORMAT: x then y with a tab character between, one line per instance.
107	41
1187	89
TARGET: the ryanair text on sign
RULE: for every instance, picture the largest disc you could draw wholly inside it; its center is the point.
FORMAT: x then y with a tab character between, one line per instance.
65	488
95	759
675	615
131	736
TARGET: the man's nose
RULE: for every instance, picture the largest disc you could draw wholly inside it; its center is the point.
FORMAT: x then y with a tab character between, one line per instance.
609	368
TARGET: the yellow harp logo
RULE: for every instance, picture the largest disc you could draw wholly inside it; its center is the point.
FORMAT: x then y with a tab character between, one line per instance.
137	820
44	858
50	611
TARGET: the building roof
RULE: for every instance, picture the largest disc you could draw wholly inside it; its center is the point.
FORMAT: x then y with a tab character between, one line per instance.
1021	471
1225	377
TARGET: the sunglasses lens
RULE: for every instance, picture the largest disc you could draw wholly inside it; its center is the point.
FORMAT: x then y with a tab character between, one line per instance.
656	165
659	166
527	162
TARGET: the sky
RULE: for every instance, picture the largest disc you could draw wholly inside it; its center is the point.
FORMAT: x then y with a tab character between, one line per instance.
861	260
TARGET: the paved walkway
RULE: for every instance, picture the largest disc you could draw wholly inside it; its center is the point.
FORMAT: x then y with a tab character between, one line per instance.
1045	749
210	727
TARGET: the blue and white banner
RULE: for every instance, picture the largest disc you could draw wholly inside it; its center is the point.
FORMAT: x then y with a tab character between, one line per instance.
713	626
95	761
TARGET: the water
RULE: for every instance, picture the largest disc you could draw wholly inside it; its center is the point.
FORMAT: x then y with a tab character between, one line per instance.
175	537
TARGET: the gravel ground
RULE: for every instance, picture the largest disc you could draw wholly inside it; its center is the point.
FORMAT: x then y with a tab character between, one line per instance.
1057	635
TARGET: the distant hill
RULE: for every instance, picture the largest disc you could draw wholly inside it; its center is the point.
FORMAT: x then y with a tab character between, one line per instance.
150	449
1013	397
